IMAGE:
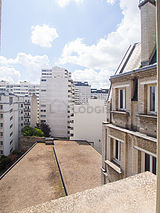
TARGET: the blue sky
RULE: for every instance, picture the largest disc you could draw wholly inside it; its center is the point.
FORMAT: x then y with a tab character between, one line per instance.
88	37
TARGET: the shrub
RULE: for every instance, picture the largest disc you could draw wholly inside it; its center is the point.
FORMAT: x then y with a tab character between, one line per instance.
4	161
45	128
28	131
38	133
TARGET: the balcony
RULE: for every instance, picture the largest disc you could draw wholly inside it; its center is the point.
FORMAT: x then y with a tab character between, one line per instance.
120	118
27	103
26	123
148	124
26	110
27	116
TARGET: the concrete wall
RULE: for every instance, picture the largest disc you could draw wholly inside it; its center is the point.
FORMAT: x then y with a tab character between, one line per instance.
27	141
88	122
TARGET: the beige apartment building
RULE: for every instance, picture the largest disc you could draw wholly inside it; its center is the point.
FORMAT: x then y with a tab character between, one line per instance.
129	136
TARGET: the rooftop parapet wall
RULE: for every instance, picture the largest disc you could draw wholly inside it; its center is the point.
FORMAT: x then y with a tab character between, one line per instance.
133	194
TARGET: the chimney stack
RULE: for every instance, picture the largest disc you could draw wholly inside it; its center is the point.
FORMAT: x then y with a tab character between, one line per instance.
148	30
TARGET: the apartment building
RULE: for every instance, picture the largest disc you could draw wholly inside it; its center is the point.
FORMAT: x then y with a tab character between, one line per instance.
28	109
8	123
56	98
23	88
101	94
82	92
129	144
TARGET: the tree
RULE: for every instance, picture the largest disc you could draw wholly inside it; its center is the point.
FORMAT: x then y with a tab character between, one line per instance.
28	131
38	133
45	128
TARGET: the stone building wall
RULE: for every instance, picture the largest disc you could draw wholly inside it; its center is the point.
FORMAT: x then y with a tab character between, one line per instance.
27	141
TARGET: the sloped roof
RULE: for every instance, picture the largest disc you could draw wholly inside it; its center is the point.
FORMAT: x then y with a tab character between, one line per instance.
131	60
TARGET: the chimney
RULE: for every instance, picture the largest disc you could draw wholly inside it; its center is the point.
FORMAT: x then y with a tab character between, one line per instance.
148	30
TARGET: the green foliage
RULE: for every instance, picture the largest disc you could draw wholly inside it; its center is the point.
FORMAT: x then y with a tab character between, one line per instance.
4	161
29	131
38	133
45	128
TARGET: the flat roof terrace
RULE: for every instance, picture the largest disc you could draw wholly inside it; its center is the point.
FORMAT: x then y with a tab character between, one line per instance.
35	179
80	165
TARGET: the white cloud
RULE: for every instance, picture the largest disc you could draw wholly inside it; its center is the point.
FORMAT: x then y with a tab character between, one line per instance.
43	35
94	78
64	3
107	53
23	67
9	74
111	1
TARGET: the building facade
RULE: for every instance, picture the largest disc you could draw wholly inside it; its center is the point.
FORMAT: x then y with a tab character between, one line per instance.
82	92
9	115
101	94
129	135
56	98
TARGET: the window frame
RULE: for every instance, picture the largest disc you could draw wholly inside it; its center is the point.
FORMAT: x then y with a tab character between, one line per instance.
117	150
123	107
151	160
149	99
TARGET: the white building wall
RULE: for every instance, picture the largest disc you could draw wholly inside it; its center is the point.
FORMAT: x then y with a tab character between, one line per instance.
87	124
9	120
55	93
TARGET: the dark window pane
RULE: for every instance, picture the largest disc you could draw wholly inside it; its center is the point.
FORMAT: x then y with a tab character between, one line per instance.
121	99
154	165
116	150
152	99
147	162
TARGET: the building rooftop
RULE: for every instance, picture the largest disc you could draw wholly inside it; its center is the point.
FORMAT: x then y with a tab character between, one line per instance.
99	91
131	195
78	83
35	179
80	165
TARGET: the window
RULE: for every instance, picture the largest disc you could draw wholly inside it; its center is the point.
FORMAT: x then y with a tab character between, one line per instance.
21	105
43	105
1	124
11	142
152	99
11	126
11	110
43	116
1	106
150	163
1	143
122	99
135	89
1	115
11	118
10	100
1	133
1	152
11	134
117	151
11	150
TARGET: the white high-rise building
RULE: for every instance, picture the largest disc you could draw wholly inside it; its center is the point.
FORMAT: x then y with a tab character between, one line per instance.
23	89
9	114
82	92
56	97
101	94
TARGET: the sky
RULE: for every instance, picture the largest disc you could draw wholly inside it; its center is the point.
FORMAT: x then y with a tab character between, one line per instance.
86	37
